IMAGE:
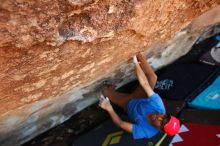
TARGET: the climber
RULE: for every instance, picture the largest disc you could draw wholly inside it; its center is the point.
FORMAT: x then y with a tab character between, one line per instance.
143	105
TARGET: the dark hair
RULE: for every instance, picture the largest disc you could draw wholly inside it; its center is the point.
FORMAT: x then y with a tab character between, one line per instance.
165	121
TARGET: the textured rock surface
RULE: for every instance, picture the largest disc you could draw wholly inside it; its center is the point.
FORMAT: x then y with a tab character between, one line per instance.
53	52
37	61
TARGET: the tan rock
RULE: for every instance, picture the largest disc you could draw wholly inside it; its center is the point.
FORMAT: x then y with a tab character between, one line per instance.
53	53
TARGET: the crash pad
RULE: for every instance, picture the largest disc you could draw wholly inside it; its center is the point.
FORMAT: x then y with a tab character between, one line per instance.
200	127
178	80
108	134
209	98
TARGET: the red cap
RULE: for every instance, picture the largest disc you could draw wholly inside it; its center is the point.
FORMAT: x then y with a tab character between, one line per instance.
172	127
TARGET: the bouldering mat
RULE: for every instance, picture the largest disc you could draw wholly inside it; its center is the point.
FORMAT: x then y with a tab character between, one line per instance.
174	107
198	135
201	116
178	80
108	134
209	98
200	127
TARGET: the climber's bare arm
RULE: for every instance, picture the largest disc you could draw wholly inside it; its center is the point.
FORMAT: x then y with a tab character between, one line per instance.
106	105
142	78
148	71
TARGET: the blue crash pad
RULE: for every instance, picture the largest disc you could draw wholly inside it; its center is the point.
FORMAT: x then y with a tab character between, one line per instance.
209	98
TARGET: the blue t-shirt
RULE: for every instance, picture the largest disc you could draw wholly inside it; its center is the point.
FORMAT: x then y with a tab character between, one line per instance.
138	109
